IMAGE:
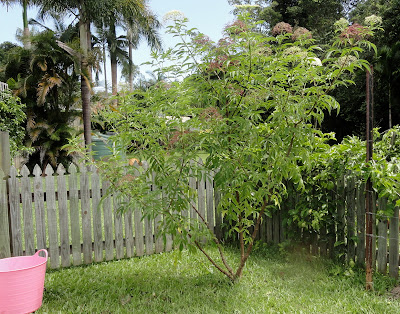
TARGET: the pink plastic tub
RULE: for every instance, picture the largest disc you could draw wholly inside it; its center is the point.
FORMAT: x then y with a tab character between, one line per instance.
22	283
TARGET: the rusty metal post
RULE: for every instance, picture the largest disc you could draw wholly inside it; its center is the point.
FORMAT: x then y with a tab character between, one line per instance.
369	284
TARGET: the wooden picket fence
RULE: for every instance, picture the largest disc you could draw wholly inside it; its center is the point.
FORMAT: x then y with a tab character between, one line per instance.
64	212
345	236
3	86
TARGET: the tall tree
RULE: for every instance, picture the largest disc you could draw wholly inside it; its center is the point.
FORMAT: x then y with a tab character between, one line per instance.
387	63
86	12
142	27
45	78
317	16
26	32
140	23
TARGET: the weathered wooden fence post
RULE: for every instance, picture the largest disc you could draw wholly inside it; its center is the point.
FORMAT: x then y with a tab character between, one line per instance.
5	163
4	220
5	156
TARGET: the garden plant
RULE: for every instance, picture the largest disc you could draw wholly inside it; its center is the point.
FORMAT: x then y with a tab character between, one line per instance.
255	104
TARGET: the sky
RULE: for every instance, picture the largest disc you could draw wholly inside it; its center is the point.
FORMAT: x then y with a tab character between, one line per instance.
208	16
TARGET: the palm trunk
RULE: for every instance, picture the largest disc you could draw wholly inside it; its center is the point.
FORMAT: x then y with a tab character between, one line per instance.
114	70
105	71
130	66
26	34
85	79
130	55
114	83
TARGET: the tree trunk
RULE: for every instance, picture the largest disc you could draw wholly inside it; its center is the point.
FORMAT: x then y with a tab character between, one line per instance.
26	34
105	71
114	70
85	78
130	60
130	66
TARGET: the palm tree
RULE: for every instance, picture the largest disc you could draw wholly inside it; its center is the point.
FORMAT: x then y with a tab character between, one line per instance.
85	12
140	23
46	78
101	40
138	30
101	11
26	33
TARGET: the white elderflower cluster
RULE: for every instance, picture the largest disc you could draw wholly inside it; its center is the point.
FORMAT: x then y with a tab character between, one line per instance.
346	61
341	24
373	20
173	15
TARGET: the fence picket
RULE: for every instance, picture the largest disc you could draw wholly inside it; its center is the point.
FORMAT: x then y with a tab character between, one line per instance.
5	250
39	208
148	227
86	215
52	218
269	224
63	216
210	197
26	196
201	203
340	221
394	244
159	244
350	202
129	240
119	237
138	232
168	237
15	213
361	225
331	238
275	228
374	210
192	203
382	246
74	215
108	223
97	227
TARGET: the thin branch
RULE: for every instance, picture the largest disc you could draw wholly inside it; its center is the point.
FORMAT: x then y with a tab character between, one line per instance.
229	275
253	236
215	239
290	145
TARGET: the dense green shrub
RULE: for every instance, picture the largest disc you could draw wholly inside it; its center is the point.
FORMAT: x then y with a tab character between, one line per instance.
254	103
12	117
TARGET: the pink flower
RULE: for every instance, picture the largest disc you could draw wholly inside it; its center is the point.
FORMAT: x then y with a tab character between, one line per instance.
202	40
218	63
301	32
356	32
236	27
282	28
225	42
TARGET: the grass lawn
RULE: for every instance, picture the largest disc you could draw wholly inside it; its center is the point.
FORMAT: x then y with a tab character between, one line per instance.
170	283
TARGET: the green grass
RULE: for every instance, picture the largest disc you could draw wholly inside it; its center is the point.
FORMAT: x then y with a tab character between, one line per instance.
170	283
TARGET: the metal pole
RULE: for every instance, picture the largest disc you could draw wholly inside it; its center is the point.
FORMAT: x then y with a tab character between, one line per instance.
369	284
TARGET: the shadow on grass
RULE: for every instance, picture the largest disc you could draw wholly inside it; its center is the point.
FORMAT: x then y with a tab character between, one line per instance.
174	283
